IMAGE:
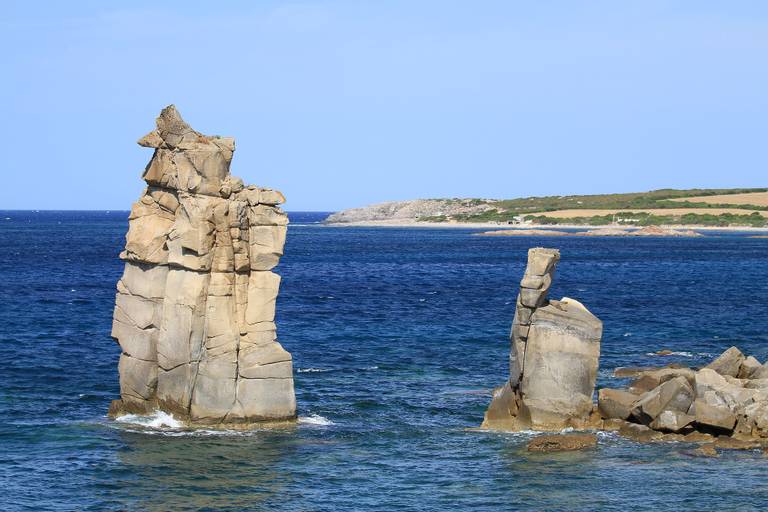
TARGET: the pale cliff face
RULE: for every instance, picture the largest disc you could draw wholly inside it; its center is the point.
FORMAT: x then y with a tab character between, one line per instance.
194	312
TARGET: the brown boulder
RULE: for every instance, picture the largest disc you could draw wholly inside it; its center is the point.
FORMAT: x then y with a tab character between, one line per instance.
623	372
706	450
760	373
728	363
562	442
639	433
659	376
713	416
501	413
729	443
615	403
698	437
671	421
674	395
749	366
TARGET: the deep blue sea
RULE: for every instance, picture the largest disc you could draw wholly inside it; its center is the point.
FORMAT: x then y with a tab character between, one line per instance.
397	336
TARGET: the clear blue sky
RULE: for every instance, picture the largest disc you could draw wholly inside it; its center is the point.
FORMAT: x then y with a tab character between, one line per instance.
344	103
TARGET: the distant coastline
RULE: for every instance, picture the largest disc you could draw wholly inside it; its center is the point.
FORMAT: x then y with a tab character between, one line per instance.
397	223
710	209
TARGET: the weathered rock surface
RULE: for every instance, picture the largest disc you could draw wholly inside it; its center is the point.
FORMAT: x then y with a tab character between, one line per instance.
706	450
674	395
728	397
194	312
562	442
553	359
728	363
671	421
615	403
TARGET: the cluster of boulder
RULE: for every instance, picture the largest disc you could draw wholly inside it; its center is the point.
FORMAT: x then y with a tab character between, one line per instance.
554	357
194	312
726	398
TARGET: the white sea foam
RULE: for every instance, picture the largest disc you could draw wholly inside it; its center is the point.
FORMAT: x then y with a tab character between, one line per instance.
370	368
315	419
627	334
683	354
312	370
158	419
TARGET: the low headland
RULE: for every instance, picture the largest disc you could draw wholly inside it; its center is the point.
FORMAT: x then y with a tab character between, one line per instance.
744	209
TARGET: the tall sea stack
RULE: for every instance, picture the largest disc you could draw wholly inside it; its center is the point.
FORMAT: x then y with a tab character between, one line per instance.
195	307
553	360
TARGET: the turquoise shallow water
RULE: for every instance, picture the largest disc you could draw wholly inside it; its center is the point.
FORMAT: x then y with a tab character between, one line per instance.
398	335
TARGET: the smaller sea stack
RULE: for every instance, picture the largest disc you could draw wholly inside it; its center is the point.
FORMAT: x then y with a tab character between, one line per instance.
553	360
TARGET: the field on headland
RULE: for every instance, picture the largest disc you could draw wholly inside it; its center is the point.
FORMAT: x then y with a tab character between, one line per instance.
721	208
752	198
569	214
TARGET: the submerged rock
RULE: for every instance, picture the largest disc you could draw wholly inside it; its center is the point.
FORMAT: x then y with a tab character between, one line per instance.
562	442
194	312
615	403
706	450
553	360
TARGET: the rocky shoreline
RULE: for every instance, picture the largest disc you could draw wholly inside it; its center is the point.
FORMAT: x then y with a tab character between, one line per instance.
554	357
724	404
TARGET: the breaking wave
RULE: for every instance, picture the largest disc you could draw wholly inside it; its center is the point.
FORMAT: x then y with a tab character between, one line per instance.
316	370
683	354
315	419
158	419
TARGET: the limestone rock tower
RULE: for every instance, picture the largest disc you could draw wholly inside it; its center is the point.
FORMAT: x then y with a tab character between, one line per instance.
195	307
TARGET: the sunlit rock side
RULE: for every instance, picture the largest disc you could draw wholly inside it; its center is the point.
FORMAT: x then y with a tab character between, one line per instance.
724	402
554	357
195	307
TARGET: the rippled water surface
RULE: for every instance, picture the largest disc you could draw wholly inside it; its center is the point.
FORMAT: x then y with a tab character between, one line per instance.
398	336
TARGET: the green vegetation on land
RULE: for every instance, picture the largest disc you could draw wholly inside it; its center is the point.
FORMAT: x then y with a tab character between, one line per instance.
535	208
653	199
647	219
